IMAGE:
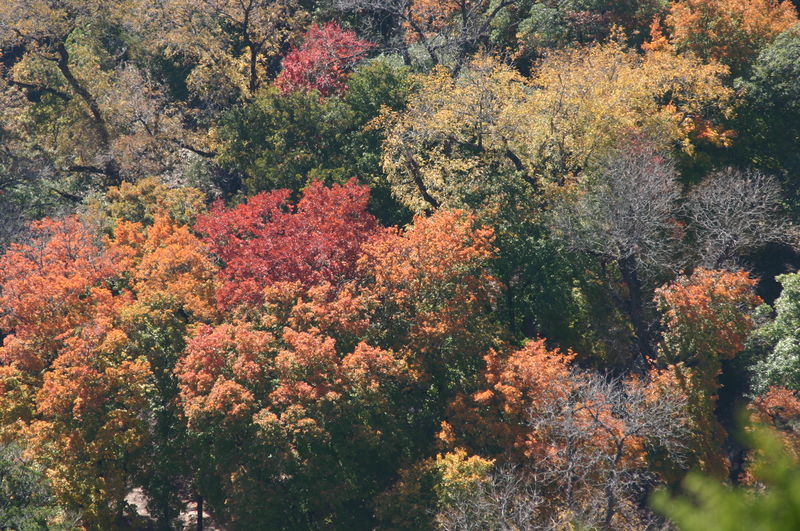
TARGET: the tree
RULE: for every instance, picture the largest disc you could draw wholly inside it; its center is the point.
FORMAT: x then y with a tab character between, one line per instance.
269	239
26	501
174	280
75	107
88	382
233	46
84	421
587	440
172	263
605	434
590	102
91	430
778	408
779	366
323	61
626	214
433	291
316	416
288	140
705	503
579	108
142	201
51	284
455	144
735	213
706	319
729	31
448	32
46	36
529	29
771	111
503	498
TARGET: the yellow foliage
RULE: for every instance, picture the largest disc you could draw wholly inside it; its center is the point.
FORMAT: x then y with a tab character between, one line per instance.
459	474
465	140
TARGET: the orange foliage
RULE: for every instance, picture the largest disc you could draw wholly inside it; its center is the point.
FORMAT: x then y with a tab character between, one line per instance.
433	282
176	264
535	403
80	389
779	408
50	285
706	315
729	31
516	385
429	17
218	363
91	426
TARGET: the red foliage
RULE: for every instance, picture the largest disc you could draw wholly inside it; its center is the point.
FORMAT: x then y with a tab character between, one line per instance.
269	239
323	61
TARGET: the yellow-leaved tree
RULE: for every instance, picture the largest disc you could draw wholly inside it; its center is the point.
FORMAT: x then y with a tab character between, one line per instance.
467	140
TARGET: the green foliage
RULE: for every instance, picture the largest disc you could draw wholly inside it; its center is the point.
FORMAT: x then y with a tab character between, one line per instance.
770	115
288	140
780	364
708	504
142	201
26	502
533	27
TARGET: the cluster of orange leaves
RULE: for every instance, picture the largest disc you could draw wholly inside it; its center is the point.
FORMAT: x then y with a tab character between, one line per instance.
707	319
779	408
519	387
429	17
706	315
729	31
71	386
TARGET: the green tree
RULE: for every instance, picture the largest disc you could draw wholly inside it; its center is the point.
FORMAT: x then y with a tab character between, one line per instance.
708	504
287	140
26	501
779	341
770	116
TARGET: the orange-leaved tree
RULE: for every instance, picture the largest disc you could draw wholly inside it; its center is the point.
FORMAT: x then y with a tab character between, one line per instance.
706	319
433	292
588	439
729	31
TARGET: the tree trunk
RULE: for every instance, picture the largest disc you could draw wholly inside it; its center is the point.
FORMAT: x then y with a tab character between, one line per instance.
110	169
611	498
253	84
512	317
635	306
199	513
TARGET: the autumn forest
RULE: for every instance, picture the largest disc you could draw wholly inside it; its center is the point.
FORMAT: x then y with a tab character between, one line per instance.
400	265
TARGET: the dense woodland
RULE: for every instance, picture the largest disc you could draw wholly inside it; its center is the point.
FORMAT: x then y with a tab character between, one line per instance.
399	264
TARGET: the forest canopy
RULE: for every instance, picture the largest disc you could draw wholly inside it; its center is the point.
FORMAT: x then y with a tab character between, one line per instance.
399	264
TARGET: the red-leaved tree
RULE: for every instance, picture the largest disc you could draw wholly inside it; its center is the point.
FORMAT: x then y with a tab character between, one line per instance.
271	239
323	61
